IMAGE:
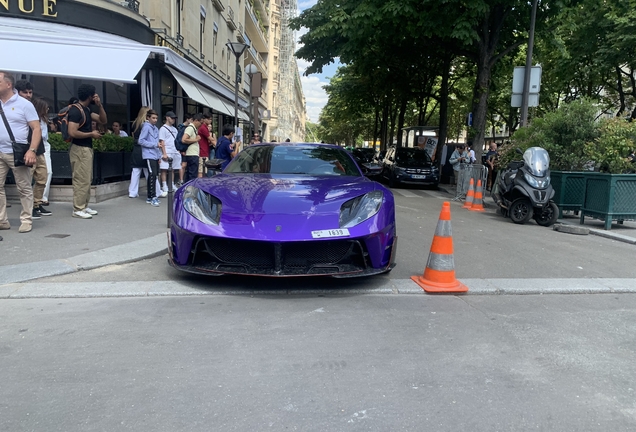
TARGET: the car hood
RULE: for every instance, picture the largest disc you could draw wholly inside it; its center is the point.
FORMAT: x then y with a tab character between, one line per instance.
279	206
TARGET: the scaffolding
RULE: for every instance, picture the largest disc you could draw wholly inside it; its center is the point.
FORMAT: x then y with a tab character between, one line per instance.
288	70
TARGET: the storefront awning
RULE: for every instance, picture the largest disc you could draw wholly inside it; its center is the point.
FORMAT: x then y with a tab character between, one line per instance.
68	52
204	96
199	93
61	50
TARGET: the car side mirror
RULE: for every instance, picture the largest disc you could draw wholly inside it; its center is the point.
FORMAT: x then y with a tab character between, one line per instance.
370	170
214	164
518	150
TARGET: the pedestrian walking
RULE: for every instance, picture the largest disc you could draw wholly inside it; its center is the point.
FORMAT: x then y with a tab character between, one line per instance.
205	142
16	153
80	118
42	170
153	150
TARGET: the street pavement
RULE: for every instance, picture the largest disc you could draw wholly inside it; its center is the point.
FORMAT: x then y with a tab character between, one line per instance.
492	254
319	363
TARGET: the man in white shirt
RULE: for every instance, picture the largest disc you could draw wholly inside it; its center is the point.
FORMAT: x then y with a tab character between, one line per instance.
168	133
117	130
21	116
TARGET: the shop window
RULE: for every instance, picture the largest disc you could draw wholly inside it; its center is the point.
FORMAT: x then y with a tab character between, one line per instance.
116	104
44	88
168	91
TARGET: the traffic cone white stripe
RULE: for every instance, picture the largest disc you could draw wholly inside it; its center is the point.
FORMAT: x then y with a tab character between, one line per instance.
440	262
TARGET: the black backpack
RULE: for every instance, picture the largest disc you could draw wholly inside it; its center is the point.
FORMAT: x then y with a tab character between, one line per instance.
178	141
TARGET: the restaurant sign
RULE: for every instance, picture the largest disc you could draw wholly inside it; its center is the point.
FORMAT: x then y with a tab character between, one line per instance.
46	8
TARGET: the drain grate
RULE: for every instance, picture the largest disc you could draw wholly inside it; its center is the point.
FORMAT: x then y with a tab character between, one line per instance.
58	235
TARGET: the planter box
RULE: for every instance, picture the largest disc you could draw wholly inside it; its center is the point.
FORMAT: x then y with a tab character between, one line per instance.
107	166
569	189
609	197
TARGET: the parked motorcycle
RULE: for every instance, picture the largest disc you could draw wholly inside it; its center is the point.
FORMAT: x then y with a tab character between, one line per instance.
523	190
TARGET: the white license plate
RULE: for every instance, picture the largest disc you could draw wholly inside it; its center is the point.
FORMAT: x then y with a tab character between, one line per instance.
418	176
341	232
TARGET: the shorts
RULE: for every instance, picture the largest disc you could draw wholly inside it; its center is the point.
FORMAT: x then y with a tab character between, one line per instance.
176	162
202	167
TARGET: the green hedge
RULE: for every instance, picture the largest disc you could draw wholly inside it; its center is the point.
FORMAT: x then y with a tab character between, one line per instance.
107	143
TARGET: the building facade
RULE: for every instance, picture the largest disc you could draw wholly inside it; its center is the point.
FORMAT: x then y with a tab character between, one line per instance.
171	55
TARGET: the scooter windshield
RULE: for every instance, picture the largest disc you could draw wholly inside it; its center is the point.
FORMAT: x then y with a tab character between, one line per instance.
537	160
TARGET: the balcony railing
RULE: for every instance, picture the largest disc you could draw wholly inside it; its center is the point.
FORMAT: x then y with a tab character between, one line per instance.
218	5
230	18
133	5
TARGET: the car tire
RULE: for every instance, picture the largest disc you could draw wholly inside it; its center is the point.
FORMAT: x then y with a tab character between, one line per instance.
520	210
549	216
392	181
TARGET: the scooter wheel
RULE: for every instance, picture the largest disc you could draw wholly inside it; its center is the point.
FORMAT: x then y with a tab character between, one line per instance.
520	211
549	215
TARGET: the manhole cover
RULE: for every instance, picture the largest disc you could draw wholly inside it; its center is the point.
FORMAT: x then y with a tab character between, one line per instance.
58	235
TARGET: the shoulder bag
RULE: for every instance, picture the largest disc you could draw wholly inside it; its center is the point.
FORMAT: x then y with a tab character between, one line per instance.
19	150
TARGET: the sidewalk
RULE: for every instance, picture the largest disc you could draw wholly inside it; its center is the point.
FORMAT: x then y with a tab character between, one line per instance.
126	229
625	232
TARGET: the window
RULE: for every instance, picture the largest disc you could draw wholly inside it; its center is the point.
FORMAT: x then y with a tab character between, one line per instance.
202	32
214	40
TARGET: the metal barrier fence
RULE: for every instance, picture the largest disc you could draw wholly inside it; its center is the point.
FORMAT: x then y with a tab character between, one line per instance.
465	173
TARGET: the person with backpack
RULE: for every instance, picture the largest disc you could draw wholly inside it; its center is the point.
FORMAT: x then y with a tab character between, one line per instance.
191	139
80	131
168	133
181	148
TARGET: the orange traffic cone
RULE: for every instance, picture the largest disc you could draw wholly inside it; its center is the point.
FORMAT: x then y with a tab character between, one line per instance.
439	274
478	202
470	196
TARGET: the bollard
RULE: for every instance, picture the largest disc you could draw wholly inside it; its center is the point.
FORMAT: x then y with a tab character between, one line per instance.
170	191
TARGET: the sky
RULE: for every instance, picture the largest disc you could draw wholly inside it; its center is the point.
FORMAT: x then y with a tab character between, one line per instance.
315	96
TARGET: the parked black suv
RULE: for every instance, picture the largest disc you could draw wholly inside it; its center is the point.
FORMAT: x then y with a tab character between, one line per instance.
409	165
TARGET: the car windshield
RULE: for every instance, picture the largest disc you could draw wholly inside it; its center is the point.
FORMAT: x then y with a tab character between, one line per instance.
296	159
411	157
364	154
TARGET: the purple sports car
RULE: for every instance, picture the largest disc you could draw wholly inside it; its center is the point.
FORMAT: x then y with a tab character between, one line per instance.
285	210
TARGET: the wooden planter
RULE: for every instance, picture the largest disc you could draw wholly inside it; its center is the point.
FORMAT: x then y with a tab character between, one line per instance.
609	197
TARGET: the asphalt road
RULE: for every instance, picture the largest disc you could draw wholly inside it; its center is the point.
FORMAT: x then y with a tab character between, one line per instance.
334	362
323	363
486	246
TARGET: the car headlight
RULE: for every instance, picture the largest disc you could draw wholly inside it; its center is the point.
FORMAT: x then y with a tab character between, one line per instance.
202	205
361	208
537	183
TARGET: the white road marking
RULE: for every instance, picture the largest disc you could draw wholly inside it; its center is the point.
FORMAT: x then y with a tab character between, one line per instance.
405	193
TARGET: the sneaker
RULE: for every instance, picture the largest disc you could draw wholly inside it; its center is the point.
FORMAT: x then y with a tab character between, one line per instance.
133	196
149	200
44	212
5	226
155	202
45	203
25	228
90	211
35	214
163	194
82	214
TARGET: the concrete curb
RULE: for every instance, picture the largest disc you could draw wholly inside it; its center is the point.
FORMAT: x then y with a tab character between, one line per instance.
392	287
602	233
120	254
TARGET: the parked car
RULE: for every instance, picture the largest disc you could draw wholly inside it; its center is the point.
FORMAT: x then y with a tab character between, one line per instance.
409	165
365	157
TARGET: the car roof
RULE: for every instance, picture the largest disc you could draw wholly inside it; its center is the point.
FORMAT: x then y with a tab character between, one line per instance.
302	145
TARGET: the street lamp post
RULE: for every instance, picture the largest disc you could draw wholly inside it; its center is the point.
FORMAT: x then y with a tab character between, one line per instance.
238	48
526	78
250	70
